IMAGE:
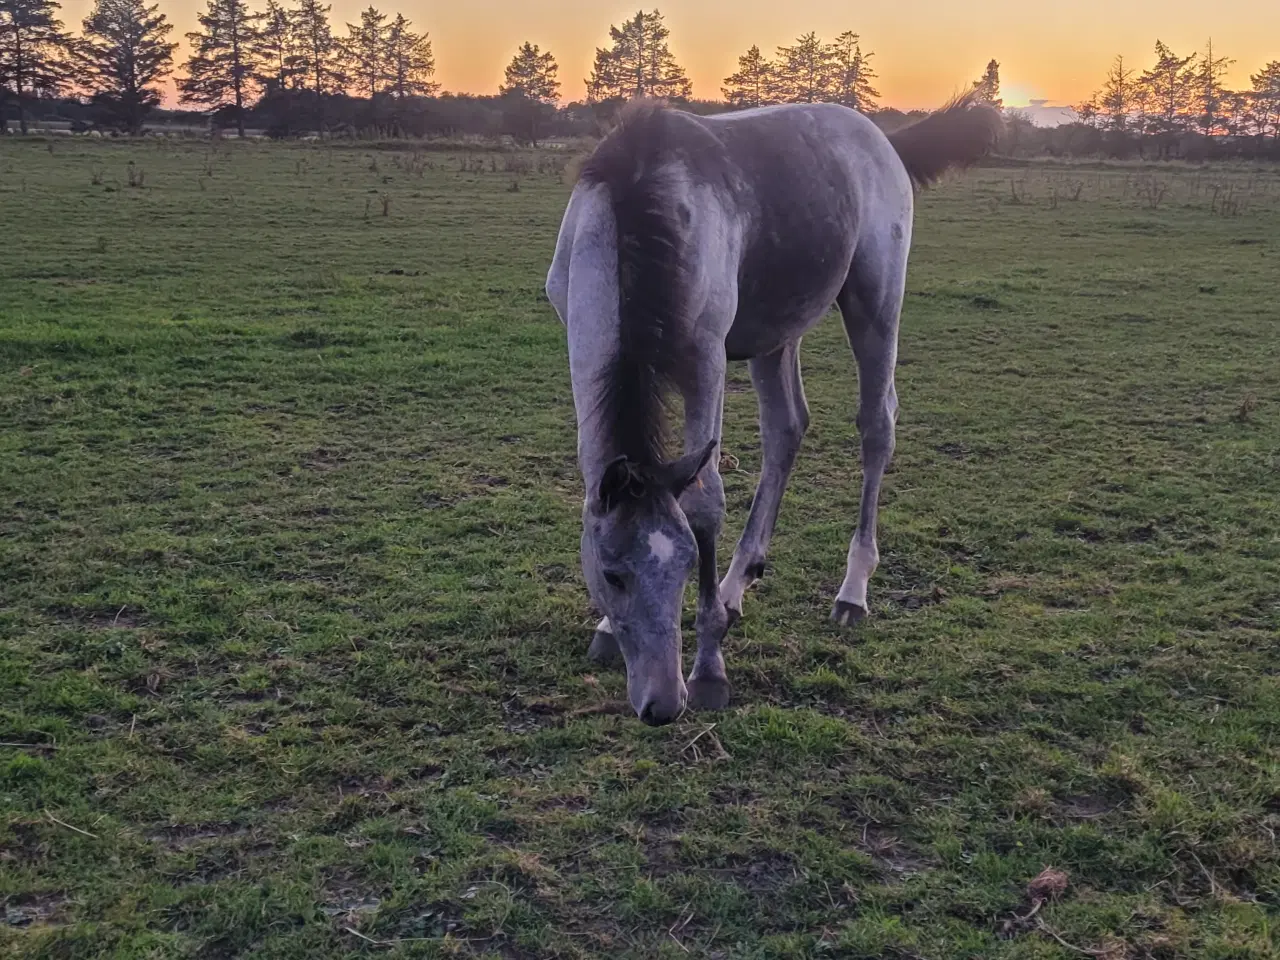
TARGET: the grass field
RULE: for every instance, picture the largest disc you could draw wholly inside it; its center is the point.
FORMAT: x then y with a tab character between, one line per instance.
292	636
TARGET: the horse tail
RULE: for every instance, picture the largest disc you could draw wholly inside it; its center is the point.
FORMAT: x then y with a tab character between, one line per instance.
957	136
647	192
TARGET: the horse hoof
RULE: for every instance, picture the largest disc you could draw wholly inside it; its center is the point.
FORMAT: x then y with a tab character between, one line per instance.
848	614
604	649
735	614
709	694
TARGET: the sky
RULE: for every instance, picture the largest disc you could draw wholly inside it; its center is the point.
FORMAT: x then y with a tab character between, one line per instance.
924	51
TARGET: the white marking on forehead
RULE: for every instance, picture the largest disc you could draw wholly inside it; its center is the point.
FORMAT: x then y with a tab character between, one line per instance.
660	546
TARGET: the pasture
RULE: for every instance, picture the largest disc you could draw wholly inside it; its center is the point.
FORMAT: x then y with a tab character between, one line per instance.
292	637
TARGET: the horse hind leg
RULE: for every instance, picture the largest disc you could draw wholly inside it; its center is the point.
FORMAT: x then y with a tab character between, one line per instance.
870	304
784	418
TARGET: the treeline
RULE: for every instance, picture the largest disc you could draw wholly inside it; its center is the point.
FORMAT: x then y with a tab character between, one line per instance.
287	71
283	69
1157	110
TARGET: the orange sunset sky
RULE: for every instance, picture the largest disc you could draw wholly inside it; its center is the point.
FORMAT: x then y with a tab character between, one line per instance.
925	50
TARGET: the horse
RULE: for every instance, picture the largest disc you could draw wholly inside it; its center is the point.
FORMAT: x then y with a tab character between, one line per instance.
688	242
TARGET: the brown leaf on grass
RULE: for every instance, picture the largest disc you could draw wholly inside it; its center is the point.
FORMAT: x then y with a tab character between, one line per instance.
1049	885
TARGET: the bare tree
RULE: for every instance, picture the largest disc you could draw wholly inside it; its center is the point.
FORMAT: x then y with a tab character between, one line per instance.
122	56
755	83
1089	113
32	53
639	63
224	58
852	73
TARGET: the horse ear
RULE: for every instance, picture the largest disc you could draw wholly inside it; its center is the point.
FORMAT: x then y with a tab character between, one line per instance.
616	481
678	475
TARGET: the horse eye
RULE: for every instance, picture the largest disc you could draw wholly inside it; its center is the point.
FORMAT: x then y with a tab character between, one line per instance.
615	581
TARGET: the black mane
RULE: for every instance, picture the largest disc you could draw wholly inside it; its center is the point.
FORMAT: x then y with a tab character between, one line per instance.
644	163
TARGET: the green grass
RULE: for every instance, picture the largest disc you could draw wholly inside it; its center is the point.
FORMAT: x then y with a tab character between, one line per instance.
292	623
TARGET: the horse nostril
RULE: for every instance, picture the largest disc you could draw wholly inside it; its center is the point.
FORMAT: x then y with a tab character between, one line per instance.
655	716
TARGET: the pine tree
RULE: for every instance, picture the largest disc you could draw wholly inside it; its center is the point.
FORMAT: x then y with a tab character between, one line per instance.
755	83
318	54
1170	85
277	50
32	53
806	71
365	50
988	88
224	58
1117	98
1236	115
410	62
532	74
1208	91
530	89
852	73
1264	100
638	64
121	57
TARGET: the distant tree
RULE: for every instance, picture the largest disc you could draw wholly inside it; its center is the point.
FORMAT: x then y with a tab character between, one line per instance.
852	73
1208	91
318	54
1170	83
32	53
1236	115
410	62
531	89
639	63
1264	101
1088	113
806	73
755	83
1019	132
365	51
277	49
122	56
224	58
1116	101
532	74
988	88
1144	105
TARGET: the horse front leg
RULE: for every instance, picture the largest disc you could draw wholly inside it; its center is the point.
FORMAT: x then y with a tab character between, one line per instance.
703	506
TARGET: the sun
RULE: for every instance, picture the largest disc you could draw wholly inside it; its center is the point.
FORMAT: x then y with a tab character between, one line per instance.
1017	94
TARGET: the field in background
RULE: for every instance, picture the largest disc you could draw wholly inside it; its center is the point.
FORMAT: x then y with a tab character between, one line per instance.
292	634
